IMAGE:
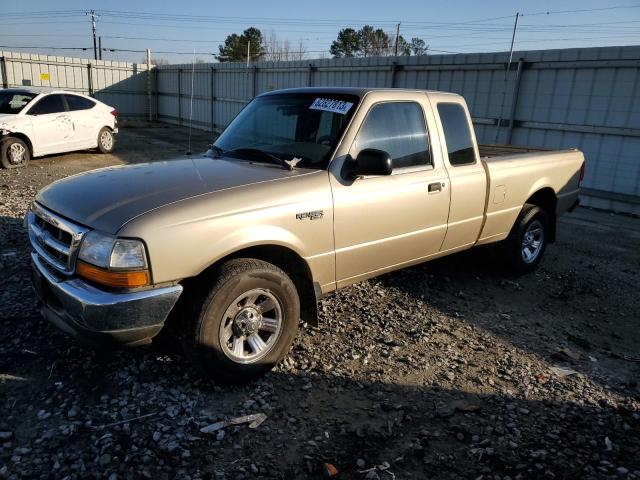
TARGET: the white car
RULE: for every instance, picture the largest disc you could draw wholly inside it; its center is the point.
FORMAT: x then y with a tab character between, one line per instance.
34	123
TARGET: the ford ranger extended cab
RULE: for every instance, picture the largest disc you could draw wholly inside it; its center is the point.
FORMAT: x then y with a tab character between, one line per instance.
306	191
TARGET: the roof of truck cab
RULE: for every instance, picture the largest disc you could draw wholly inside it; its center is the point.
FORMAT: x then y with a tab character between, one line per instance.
359	91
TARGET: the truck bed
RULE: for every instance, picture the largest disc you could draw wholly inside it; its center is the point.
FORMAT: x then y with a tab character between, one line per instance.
497	150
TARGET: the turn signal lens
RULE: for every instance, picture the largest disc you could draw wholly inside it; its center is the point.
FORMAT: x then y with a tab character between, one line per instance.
113	278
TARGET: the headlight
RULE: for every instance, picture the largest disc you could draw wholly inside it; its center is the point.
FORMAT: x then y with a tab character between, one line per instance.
111	261
96	249
128	254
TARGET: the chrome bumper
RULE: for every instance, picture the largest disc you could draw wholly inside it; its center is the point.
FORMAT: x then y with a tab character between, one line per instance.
82	310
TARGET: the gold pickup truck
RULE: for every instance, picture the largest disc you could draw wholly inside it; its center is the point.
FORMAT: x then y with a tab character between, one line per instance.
306	191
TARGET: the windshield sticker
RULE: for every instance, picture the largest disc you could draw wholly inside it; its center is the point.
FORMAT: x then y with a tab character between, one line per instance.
329	105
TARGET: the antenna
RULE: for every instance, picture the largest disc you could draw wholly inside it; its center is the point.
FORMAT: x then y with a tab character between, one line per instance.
193	71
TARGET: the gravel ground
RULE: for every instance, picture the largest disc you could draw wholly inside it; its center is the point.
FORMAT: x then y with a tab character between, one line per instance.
444	370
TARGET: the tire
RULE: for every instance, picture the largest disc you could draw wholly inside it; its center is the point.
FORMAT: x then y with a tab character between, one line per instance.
527	242
106	140
14	153
231	307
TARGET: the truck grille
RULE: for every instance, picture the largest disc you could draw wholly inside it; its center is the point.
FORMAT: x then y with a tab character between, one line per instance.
55	239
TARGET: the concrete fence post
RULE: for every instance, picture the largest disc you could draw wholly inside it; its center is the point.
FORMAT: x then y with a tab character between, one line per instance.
213	100
312	69
179	96
90	78
149	91
514	99
3	72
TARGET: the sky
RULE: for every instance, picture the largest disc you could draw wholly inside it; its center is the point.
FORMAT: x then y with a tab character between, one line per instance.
175	30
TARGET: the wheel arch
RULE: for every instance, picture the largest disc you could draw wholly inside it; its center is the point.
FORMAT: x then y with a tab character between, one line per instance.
546	199
284	258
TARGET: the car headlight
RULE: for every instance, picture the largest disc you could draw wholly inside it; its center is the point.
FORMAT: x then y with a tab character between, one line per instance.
111	261
96	249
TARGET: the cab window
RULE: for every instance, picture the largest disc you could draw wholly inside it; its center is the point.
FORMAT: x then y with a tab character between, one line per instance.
399	129
48	104
78	103
457	134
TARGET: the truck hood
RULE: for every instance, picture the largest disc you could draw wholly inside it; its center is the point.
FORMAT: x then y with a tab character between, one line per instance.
107	198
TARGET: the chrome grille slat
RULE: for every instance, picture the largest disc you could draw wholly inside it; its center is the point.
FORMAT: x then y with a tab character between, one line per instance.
47	238
55	239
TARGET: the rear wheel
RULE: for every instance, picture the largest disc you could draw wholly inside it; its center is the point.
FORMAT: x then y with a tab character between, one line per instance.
528	239
14	153
246	322
106	140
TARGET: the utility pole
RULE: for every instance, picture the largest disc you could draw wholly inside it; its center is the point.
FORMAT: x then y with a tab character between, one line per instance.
506	76
397	37
248	52
93	28
100	48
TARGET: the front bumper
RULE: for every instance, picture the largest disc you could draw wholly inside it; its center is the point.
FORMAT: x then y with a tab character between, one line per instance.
100	317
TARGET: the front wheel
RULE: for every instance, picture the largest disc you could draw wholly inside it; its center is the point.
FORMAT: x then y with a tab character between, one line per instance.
528	239
14	153
106	140
246	322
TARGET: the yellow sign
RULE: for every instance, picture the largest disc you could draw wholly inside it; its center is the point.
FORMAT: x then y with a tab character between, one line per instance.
45	77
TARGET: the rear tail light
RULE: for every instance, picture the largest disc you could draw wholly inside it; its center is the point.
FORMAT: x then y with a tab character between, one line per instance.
582	172
115	113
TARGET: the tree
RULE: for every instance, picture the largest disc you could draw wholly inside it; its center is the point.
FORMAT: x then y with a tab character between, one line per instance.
347	44
235	46
276	50
369	42
404	49
373	42
418	47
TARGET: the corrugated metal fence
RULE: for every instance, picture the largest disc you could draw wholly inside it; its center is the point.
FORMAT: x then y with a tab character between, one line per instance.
122	85
585	98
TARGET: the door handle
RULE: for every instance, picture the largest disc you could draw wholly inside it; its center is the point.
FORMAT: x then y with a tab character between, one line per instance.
435	187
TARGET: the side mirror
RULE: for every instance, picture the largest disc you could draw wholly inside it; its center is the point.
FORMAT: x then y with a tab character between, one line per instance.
369	161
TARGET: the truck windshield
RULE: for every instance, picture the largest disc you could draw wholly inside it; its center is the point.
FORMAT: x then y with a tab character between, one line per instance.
13	102
290	126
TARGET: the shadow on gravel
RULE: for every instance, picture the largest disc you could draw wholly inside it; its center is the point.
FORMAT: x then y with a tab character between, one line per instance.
563	318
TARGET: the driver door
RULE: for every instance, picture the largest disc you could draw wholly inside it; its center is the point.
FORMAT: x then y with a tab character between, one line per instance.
385	222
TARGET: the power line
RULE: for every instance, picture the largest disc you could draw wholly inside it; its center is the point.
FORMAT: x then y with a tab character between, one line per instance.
46	47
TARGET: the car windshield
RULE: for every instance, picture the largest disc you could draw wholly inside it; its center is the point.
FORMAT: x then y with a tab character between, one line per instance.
13	102
289	126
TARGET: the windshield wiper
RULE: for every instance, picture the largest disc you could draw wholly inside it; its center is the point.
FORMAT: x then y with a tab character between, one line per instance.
265	155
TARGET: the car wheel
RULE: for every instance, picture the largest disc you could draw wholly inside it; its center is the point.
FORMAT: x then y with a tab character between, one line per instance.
246	322
106	140
14	153
528	239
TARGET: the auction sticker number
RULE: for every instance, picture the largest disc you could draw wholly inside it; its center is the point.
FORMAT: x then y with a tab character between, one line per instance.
329	105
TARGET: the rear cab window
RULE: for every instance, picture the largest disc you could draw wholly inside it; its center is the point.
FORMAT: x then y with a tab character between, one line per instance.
457	134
